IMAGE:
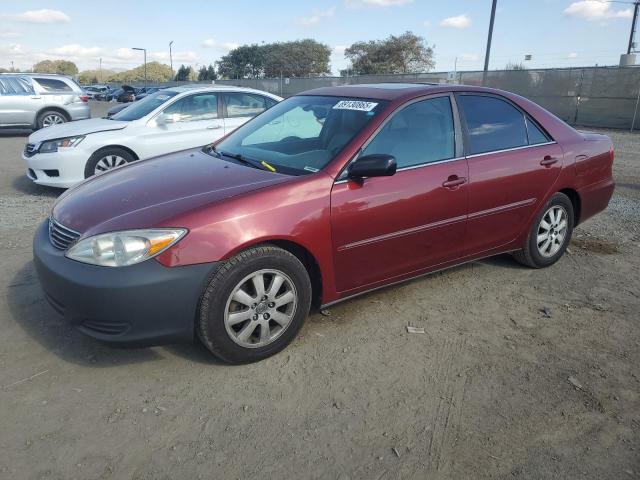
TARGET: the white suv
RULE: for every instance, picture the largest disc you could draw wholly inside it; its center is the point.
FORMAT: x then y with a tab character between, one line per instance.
40	100
163	122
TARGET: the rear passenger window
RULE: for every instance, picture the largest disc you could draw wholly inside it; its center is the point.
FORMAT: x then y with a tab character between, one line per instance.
244	105
421	133
15	85
536	135
53	85
493	124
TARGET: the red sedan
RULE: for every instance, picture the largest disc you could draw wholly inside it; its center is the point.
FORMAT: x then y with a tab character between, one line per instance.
329	194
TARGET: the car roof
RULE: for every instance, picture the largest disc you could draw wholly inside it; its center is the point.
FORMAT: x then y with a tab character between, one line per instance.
216	88
391	91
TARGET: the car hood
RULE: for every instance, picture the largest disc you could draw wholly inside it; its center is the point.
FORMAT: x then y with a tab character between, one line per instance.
72	129
149	193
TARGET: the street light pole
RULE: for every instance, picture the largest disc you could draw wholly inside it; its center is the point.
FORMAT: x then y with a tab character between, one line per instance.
145	64
488	52
633	26
171	59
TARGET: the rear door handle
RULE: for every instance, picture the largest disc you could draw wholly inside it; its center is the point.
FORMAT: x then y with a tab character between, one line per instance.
214	127
548	161
454	181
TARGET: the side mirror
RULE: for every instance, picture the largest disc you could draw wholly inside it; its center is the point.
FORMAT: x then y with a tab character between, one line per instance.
378	165
166	118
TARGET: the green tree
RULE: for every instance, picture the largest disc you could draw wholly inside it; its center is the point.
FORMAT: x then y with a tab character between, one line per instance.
300	58
156	72
407	53
183	73
207	73
88	77
63	67
246	61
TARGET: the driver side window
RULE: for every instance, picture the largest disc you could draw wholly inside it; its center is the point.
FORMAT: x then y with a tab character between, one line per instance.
418	134
201	106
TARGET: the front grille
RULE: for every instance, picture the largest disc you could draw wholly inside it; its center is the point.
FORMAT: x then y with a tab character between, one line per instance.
31	149
60	236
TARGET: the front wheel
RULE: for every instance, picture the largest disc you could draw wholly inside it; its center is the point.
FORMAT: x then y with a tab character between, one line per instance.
550	233
107	159
254	305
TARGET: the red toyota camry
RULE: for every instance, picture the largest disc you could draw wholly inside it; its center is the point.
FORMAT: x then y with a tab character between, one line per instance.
329	194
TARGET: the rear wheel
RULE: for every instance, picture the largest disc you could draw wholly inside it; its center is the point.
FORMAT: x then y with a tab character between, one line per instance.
254	305
107	159
550	233
48	118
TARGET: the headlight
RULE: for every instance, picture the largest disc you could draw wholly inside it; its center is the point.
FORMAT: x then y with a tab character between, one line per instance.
119	249
51	146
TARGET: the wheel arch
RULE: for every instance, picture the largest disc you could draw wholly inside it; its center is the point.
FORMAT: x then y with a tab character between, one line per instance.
51	108
576	202
122	147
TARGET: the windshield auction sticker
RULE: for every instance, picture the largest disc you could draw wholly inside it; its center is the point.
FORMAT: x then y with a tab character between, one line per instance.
355	105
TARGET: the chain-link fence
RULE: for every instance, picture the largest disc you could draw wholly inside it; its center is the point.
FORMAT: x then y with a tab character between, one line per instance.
591	97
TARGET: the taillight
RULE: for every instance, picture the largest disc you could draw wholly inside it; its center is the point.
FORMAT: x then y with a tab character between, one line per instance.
84	98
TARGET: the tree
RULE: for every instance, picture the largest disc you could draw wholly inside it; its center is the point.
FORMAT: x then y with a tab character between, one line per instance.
207	73
407	53
63	67
183	73
515	66
156	72
300	58
95	76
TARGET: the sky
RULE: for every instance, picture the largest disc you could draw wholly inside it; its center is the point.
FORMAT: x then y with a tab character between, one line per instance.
556	33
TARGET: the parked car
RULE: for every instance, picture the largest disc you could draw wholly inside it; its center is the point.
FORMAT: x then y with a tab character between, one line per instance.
113	94
163	122
95	92
117	108
329	194
128	94
144	91
39	100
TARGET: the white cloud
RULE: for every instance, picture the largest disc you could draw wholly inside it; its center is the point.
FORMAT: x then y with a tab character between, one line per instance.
572	55
12	49
41	16
75	50
426	23
339	50
317	16
468	57
226	46
208	43
459	21
595	10
10	34
377	3
163	56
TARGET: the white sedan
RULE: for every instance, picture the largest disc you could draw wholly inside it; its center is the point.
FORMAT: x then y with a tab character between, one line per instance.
166	121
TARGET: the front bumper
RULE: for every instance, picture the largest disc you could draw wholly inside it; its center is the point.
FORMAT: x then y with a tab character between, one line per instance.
144	304
62	169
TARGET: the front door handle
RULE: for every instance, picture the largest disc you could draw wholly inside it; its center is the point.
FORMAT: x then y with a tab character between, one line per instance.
214	127
548	161
454	181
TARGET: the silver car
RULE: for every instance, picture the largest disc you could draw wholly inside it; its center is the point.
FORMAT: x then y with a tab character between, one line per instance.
40	100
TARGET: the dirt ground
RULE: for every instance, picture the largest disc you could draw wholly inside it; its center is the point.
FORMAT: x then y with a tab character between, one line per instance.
495	388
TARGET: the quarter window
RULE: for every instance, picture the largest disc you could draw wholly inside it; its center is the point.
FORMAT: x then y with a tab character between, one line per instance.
202	106
421	133
493	124
244	105
536	136
53	85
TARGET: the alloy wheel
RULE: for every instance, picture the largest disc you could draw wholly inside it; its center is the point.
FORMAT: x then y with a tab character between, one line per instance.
108	162
552	231
52	119
260	308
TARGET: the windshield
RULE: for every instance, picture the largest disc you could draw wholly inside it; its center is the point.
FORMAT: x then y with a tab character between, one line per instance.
143	107
302	134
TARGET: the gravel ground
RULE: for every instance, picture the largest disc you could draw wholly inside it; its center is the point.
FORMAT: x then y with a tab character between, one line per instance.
494	388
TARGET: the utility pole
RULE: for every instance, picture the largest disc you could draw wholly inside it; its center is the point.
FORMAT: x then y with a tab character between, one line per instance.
633	26
145	64
100	70
171	58
488	52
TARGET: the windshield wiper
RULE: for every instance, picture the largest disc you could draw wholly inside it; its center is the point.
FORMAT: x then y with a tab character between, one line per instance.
242	159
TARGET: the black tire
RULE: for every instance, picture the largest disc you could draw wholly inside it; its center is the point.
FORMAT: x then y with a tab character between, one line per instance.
90	167
210	325
42	116
530	254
